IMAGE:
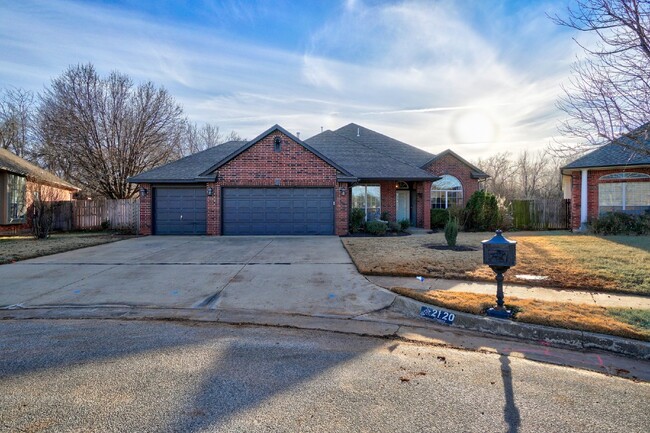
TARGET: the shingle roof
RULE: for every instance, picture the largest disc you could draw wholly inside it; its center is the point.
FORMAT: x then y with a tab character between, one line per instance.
197	167
364	161
355	151
15	164
389	146
188	169
617	153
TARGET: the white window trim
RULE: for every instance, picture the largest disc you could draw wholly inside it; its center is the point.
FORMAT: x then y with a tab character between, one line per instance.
365	202
447	191
624	185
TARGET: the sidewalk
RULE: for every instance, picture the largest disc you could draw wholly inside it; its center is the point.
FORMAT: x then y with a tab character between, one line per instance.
523	292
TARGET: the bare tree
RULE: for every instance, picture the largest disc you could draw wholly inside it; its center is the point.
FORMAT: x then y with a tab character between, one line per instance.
503	174
16	121
526	176
530	168
201	138
609	93
98	132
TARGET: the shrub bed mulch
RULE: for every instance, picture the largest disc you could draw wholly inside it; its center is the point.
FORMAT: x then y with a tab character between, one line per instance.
368	235
459	248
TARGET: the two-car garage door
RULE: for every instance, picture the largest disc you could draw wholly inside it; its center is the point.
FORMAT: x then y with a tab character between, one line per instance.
278	211
247	211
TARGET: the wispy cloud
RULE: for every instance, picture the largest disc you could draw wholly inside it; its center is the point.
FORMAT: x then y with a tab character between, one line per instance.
417	70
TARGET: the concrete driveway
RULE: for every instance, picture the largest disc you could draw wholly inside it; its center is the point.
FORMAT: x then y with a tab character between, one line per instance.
299	275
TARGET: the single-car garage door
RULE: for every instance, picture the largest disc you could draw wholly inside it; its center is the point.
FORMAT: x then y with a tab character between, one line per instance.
278	211
179	211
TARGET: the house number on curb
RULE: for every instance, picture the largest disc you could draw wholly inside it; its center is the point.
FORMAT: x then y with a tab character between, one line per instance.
439	315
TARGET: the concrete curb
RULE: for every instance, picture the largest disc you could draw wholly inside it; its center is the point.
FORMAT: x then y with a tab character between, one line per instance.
406	309
233	317
557	337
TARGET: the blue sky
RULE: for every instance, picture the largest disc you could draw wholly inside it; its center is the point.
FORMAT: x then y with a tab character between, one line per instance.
476	76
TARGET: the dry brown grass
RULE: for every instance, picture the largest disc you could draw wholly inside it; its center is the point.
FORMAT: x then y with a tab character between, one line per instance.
556	314
14	248
567	261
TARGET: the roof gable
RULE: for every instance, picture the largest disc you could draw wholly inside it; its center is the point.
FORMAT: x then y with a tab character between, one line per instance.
477	173
15	164
263	135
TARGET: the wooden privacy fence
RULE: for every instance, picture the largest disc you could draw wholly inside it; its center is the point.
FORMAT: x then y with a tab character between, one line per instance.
97	214
541	214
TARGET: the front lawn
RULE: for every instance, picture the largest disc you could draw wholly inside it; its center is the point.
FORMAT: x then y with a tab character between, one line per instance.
14	248
559	260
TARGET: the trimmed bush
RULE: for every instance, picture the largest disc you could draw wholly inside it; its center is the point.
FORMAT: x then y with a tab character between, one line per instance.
404	224
482	213
451	231
621	223
385	216
377	228
356	219
394	226
439	218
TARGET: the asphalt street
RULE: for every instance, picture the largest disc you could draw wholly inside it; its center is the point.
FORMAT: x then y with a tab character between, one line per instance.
127	376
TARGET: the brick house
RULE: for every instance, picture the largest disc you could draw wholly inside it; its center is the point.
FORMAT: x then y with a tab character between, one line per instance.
22	181
277	184
614	177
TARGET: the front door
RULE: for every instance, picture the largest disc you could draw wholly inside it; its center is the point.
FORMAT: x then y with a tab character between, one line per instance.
403	205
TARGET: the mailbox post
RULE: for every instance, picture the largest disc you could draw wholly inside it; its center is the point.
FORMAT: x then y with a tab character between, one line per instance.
499	254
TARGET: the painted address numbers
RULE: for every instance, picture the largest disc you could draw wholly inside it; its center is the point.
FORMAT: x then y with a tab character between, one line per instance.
439	315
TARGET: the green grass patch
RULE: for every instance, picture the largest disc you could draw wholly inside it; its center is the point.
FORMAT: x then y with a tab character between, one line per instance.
637	318
640	242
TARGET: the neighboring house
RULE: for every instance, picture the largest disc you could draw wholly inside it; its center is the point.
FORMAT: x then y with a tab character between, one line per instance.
277	184
20	183
611	178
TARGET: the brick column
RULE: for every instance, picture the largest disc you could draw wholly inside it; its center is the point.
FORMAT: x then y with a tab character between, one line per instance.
213	210
146	213
342	209
389	199
426	204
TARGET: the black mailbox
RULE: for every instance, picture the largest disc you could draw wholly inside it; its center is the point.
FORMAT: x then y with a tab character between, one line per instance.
499	251
500	254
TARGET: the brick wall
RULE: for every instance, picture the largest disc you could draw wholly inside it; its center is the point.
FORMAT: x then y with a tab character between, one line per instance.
342	211
388	199
423	208
293	166
146	223
213	215
593	177
449	164
261	166
46	192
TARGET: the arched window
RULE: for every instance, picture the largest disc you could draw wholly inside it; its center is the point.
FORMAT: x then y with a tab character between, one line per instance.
446	192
